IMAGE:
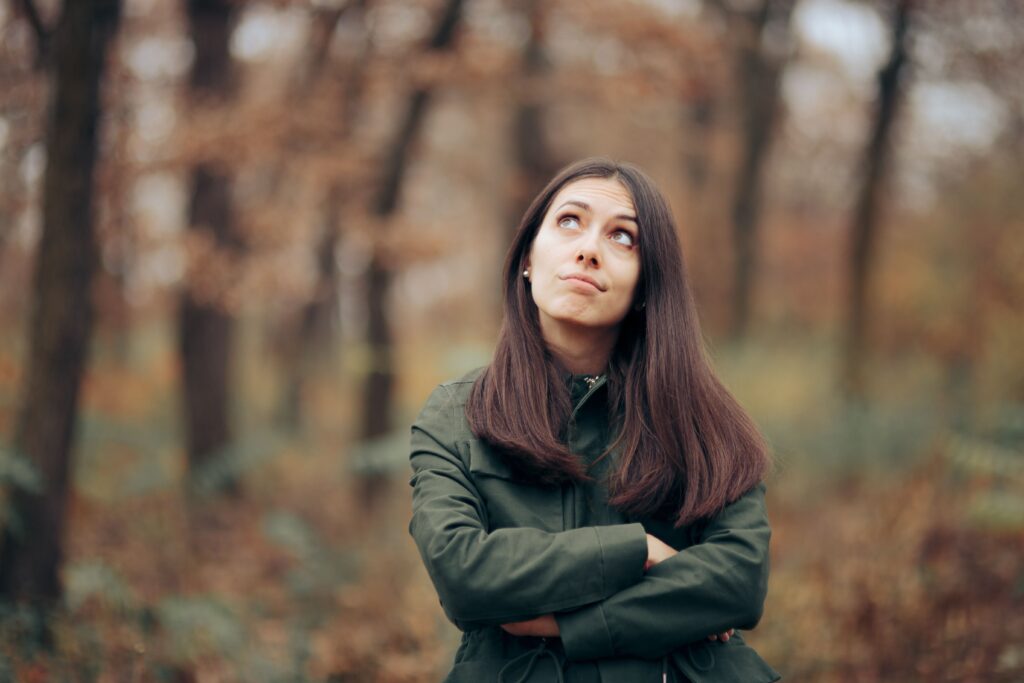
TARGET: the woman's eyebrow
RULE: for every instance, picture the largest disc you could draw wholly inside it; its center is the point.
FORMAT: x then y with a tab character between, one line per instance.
586	207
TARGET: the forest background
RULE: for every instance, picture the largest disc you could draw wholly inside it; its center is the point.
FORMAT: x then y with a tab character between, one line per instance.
241	240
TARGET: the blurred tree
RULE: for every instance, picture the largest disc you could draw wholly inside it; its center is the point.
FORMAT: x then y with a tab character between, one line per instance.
700	114
377	390
205	326
760	42
704	108
535	162
117	237
42	36
62	314
318	317
863	233
16	74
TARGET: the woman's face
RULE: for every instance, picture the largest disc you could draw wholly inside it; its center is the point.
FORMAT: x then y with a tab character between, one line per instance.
584	264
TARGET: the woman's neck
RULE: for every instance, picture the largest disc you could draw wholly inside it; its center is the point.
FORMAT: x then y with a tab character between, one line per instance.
582	350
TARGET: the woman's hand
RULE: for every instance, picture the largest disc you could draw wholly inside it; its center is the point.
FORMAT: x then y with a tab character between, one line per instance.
657	551
544	626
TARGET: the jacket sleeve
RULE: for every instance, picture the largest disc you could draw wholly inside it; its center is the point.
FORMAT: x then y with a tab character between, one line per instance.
505	575
717	584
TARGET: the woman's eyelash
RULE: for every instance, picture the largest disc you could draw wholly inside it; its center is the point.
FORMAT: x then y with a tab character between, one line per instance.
627	233
574	217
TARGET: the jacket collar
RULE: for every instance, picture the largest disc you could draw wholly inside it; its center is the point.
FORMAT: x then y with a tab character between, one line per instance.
582	387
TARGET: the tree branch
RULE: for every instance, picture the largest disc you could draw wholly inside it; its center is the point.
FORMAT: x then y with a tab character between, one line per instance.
42	34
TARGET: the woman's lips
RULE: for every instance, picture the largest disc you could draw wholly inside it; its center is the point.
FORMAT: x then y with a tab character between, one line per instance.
583	281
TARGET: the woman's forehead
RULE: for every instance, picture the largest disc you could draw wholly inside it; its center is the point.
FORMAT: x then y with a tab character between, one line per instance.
606	192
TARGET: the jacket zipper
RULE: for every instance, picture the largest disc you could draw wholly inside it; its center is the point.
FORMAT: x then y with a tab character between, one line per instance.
593	384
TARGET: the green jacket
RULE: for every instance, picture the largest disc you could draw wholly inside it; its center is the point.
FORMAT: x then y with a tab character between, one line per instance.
499	549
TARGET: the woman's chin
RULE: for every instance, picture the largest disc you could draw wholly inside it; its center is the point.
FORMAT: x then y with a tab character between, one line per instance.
584	321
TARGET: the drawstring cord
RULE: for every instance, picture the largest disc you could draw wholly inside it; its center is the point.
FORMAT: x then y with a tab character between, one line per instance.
533	656
709	659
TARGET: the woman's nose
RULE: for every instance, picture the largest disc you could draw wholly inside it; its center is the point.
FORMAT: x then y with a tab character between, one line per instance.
588	252
588	256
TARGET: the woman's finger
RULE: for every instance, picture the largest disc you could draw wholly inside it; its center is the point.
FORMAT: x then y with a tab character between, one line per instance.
724	637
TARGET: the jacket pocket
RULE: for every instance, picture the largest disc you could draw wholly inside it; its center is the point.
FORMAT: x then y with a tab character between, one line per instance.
512	502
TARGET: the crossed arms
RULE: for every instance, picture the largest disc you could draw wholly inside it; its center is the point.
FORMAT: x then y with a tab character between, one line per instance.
591	579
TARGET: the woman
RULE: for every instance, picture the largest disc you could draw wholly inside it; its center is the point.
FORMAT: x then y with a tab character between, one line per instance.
589	506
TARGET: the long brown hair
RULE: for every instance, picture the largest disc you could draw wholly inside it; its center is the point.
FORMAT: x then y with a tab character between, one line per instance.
685	446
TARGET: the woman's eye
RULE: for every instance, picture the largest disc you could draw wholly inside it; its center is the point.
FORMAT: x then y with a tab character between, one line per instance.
570	222
622	237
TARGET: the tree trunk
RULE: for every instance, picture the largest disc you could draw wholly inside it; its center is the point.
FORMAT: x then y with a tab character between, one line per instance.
699	123
759	74
42	36
205	328
62	315
318	322
534	161
315	328
702	214
863	233
378	386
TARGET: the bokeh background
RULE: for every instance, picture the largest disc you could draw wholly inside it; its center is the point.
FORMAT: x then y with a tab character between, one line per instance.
241	241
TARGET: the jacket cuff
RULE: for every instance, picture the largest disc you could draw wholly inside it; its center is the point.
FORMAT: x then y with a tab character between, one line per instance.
623	554
585	634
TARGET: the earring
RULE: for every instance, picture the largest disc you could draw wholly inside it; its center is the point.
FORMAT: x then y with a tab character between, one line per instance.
640	306
526	273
